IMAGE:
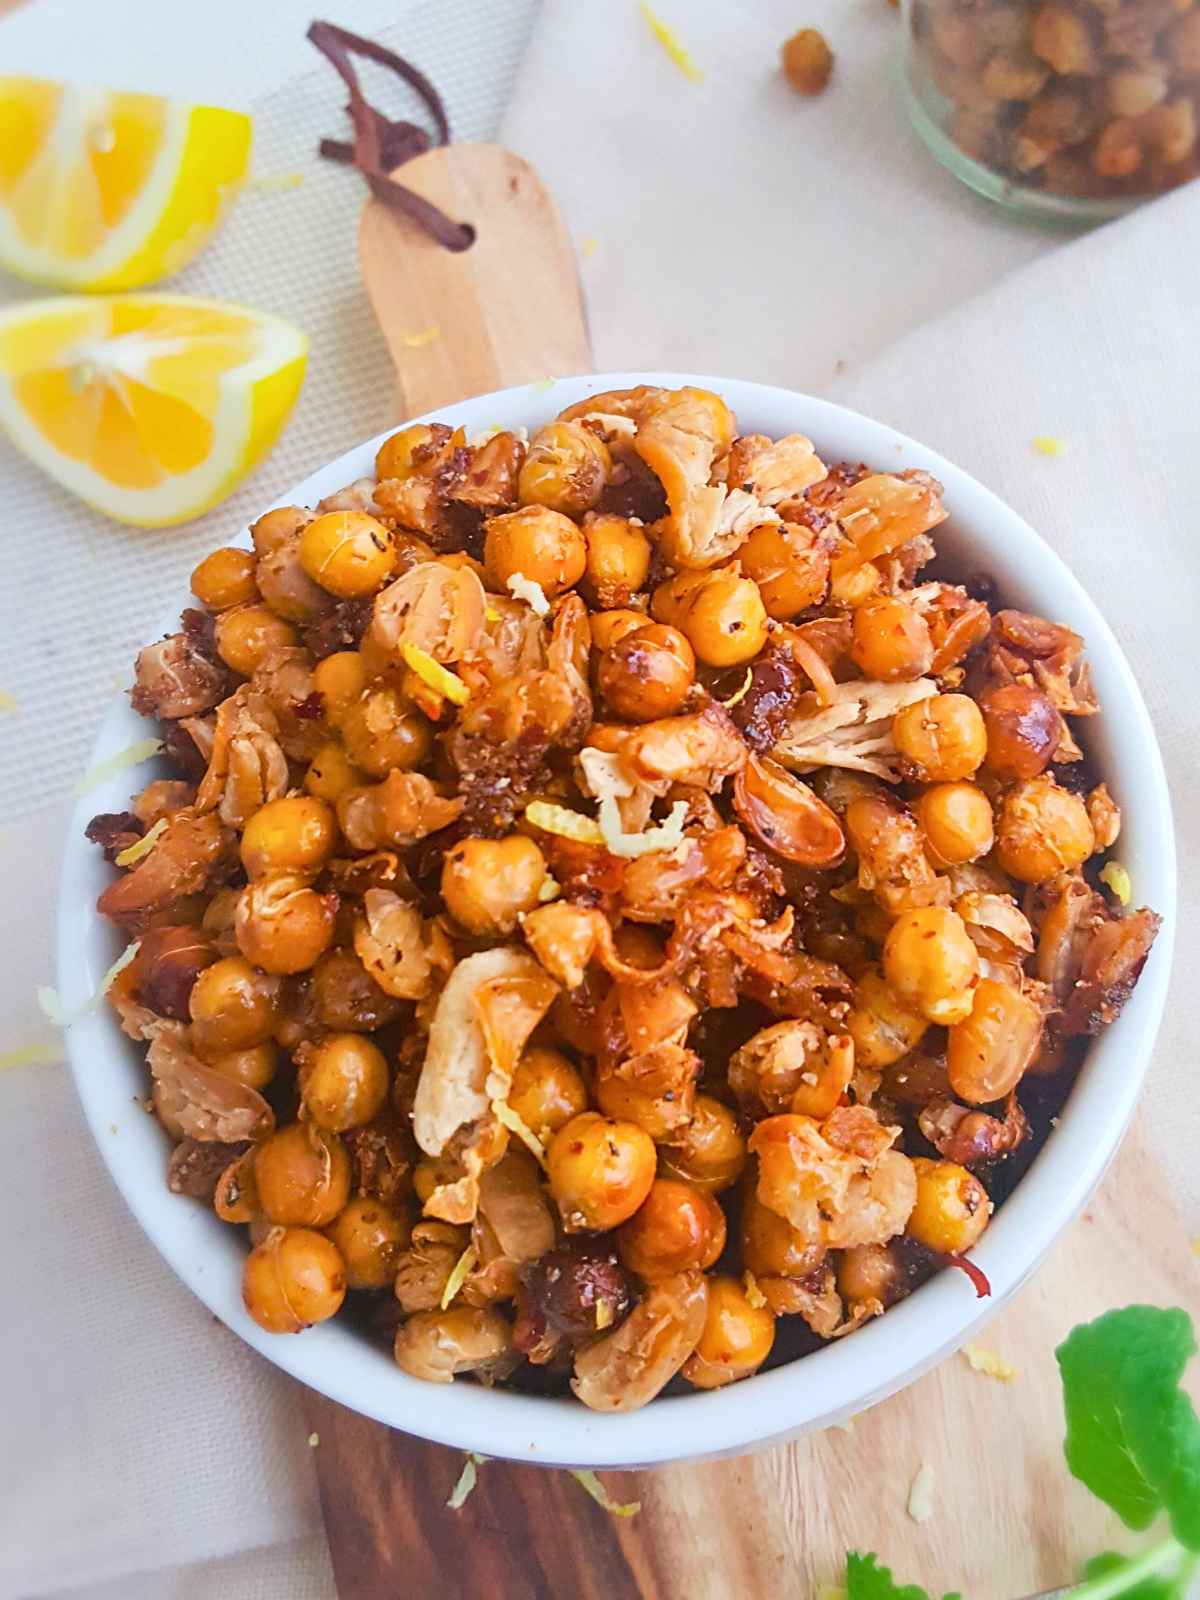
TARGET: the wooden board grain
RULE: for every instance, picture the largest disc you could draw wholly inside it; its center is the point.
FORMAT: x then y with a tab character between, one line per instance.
1008	1519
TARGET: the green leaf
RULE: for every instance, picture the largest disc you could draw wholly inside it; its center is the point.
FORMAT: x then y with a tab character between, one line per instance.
867	1580
1133	1436
1147	1589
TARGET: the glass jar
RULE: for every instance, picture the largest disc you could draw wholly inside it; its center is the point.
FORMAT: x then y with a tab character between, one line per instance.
1066	110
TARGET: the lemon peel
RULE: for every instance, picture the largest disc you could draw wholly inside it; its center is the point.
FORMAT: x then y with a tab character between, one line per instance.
590	1482
143	846
434	674
51	1004
132	756
458	1276
671	43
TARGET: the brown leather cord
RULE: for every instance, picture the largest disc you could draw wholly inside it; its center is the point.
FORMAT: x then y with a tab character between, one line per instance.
381	144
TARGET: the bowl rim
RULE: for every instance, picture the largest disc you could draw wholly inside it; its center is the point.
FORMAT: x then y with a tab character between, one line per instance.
810	1393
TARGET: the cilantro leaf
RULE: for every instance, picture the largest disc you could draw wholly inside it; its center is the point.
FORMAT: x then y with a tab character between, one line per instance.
1133	1436
867	1580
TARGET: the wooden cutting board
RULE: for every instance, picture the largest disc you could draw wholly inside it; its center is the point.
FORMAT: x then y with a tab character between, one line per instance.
1007	1520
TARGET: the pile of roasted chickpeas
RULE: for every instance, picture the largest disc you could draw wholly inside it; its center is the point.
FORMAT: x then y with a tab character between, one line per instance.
614	917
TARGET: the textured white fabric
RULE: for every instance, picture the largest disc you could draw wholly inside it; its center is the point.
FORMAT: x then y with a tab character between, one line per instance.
138	1436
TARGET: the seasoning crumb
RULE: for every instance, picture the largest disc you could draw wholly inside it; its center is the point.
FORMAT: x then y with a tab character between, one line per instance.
314	1440
417	341
672	44
1114	876
807	61
30	1055
920	1496
589	246
980	1359
1047	445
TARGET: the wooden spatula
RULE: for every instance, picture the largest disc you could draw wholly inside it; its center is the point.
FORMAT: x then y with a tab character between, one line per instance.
507	311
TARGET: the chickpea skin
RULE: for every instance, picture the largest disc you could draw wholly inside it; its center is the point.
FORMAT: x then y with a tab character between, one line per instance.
1042	830
737	1337
294	1278
710	1150
647	673
931	963
488	884
382	732
534	543
282	925
349	553
565	469
952	1208
302	1174
295	834
600	1171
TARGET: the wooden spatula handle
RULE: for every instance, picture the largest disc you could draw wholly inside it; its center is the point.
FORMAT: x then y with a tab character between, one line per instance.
507	311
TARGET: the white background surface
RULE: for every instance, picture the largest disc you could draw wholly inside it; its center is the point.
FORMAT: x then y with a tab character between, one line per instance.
736	229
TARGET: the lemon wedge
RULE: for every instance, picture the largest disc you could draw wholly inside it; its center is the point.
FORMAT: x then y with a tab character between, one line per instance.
152	407
103	190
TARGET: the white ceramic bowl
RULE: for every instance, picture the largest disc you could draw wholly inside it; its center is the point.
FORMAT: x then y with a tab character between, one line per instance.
985	536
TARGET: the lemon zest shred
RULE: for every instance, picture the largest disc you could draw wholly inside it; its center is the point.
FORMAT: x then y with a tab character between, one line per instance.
590	1482
671	43
467	1480
515	1123
52	1007
31	1055
1047	445
589	246
604	1315
540	385
491	614
736	699
563	822
753	1293
1114	876
132	756
663	836
458	1275
266	181
7	701
418	341
992	1365
434	674
143	846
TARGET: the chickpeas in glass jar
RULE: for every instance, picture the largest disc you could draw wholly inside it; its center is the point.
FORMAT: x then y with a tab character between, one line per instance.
1064	109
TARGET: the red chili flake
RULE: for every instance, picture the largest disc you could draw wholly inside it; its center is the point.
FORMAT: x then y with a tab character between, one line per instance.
976	1274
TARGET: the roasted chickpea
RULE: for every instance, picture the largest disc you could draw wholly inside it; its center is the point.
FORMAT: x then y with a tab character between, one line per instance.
370	1237
346	997
340	680
382	733
709	1151
276	528
957	822
987	1052
771	1246
248	634
943	738
295	834
807	61
725	619
1023	731
534	543
435	1345
1042	830
282	925
952	1208
343	1081
349	553
302	1173
600	1171
931	963
286	587
866	1273
254	1066
488	884
224	579
294	1278
790	566
330	773
671	599
232	1006
609	626
547	1091
394	458
618	559
565	469
647	673
882	1025
737	1337
891	641
677	1228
